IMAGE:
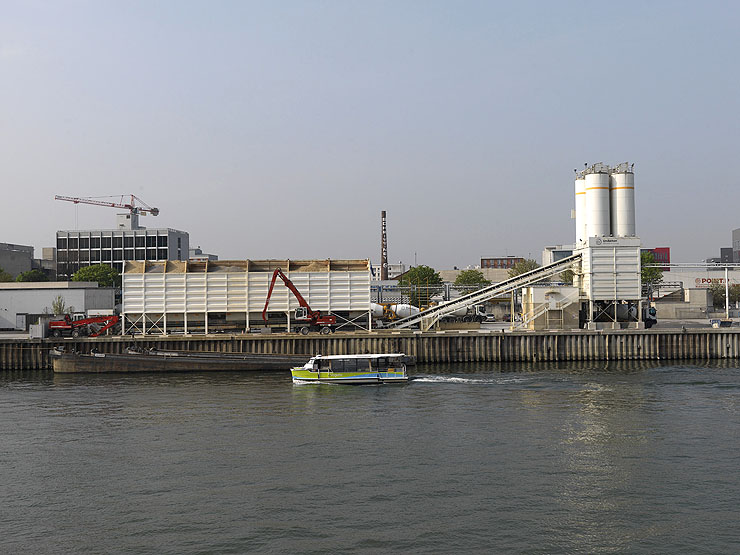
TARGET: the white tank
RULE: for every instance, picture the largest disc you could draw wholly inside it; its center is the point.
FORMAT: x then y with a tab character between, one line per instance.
623	204
581	231
404	310
459	312
376	310
597	204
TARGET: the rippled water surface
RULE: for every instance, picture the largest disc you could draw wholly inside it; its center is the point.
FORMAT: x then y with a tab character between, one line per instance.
592	458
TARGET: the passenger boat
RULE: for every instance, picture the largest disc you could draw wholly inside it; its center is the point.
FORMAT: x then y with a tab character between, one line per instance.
353	369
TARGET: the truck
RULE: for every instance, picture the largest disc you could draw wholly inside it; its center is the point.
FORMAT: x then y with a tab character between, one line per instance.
476	313
305	318
91	326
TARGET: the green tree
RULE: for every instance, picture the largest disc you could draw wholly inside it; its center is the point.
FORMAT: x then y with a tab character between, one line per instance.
718	294
522	267
5	276
102	273
567	276
471	277
650	276
32	275
58	305
420	278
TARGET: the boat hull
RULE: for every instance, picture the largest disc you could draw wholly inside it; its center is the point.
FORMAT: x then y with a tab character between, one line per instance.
305	376
175	361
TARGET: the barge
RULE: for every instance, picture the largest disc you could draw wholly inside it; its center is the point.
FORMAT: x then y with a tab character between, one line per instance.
152	360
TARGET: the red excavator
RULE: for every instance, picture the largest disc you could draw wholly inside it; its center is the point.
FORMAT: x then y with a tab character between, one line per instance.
83	326
306	319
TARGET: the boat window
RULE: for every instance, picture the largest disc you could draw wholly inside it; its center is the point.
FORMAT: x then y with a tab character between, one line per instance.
324	364
350	365
382	362
363	363
337	366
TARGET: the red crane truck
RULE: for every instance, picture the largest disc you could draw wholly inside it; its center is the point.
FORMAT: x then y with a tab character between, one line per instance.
306	319
76	328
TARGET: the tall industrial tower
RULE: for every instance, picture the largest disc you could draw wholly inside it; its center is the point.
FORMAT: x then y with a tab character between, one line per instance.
383	248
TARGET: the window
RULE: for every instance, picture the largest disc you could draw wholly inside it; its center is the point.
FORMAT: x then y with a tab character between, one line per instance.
324	365
84	256
95	242
140	254
107	242
350	365
151	254
117	254
61	242
141	241
179	242
128	254
161	254
73	243
128	241
162	241
73	256
95	256
337	366
84	242
117	242
107	255
151	240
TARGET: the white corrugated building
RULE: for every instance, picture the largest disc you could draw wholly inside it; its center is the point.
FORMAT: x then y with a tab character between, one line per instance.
229	295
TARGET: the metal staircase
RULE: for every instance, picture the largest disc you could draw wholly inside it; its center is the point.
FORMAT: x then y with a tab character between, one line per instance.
429	317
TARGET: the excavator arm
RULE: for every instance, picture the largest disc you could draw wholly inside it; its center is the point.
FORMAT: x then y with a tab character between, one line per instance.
289	284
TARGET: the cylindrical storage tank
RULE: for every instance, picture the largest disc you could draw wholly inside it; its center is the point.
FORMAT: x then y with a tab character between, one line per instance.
623	204
597	204
581	231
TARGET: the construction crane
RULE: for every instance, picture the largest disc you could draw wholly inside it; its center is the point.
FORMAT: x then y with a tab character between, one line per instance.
141	209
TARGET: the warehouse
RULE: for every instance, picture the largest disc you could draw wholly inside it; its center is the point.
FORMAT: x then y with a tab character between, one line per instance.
22	303
180	297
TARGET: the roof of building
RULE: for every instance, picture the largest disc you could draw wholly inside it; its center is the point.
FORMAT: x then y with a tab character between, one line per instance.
49	285
222	266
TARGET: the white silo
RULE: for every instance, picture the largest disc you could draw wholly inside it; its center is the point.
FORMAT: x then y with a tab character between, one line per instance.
597	201
622	195
581	219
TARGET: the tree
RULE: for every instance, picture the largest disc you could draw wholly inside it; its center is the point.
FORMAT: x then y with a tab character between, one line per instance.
420	277
32	275
58	306
718	294
567	276
5	276
650	276
522	267
471	277
102	273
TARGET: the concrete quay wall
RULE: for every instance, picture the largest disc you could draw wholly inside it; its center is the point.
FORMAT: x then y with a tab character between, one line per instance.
431	347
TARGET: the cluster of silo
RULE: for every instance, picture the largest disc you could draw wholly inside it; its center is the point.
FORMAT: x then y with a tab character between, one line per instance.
605	201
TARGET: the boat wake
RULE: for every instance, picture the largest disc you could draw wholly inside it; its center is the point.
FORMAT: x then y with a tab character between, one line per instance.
474	381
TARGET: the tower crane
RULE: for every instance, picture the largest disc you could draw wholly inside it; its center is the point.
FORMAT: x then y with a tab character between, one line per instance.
141	209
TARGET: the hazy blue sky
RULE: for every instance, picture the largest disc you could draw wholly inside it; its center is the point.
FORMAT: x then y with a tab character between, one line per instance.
282	129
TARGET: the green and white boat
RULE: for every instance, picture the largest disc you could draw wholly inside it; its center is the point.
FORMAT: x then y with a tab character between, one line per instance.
353	369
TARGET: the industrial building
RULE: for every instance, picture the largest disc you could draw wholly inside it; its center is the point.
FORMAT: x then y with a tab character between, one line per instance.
500	262
181	297
128	242
21	303
16	259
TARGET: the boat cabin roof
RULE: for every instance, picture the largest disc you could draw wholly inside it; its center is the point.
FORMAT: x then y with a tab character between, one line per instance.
374	355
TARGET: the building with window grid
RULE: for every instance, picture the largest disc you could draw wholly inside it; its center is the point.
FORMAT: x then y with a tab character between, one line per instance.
129	241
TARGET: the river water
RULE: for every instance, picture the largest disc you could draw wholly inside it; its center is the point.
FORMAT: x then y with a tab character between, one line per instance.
476	458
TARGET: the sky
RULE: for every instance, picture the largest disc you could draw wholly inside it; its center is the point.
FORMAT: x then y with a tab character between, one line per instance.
282	129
